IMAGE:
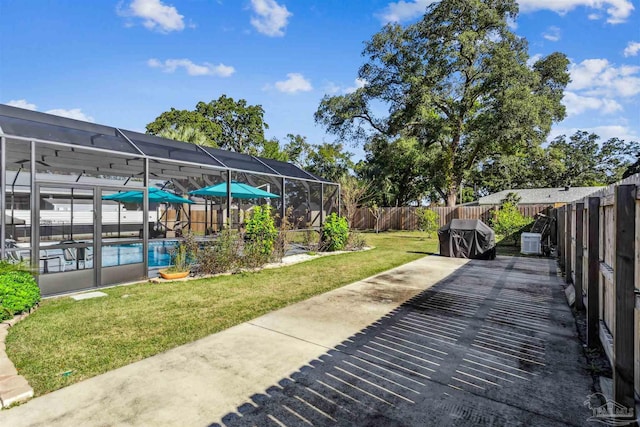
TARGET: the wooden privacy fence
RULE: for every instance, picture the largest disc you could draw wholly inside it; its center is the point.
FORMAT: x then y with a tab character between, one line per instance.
405	218
599	252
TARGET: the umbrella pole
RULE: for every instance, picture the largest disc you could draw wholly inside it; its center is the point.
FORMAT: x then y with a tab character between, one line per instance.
71	228
206	217
229	198
189	223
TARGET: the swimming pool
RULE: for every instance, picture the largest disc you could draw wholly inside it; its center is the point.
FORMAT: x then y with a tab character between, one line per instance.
58	260
131	253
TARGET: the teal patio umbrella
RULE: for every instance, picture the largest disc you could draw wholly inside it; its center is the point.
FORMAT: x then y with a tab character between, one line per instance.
155	195
238	191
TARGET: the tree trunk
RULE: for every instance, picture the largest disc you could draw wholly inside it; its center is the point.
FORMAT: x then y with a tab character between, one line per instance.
452	193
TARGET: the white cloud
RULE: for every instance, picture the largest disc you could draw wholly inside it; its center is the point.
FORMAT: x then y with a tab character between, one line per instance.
617	10
331	88
74	113
552	34
22	103
577	104
632	49
597	77
599	86
192	69
358	84
594	16
605	132
295	83
270	18
533	59
155	15
404	10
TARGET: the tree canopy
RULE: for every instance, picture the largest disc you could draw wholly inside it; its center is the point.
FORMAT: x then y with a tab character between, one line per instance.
633	168
328	160
457	82
186	134
227	124
578	161
397	171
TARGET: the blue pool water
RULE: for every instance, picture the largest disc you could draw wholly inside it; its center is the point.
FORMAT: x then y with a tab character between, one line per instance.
58	260
131	253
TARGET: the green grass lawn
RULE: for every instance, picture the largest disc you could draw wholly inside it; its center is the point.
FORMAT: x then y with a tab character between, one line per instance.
66	341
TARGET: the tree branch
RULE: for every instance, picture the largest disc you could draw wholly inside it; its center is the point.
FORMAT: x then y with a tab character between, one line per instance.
369	120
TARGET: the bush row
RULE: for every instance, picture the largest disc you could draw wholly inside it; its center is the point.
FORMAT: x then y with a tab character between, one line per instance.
261	243
19	291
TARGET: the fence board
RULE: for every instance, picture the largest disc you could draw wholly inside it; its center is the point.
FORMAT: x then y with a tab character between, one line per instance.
608	252
561	218
593	296
610	239
636	344
405	218
579	251
569	245
623	339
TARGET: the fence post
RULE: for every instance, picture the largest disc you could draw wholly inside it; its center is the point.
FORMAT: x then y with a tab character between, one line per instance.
579	255
561	218
623	339
593	277
567	245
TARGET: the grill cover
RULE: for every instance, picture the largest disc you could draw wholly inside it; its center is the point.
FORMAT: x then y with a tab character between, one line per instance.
467	238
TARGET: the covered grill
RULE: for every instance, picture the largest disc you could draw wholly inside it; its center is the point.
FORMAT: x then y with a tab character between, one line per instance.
467	238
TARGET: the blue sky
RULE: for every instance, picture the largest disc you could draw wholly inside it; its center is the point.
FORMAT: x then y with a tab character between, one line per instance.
122	63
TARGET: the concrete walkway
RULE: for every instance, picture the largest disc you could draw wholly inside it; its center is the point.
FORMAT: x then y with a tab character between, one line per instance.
492	343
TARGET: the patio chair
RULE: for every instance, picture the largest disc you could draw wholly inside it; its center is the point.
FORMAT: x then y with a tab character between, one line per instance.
75	255
13	256
154	232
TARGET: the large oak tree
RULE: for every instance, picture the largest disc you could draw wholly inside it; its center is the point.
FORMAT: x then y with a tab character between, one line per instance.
228	124
458	82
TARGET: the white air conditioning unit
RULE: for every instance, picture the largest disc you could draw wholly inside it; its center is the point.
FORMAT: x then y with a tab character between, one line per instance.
530	243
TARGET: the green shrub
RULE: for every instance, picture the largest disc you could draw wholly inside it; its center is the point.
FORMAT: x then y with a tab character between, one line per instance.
261	231
509	223
284	236
18	291
222	255
253	255
6	267
356	241
311	240
179	259
428	220
335	233
183	256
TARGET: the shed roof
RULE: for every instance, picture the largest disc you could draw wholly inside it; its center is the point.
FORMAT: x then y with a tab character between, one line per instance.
530	196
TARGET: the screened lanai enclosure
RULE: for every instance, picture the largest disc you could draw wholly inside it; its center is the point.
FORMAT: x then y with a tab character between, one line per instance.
88	205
